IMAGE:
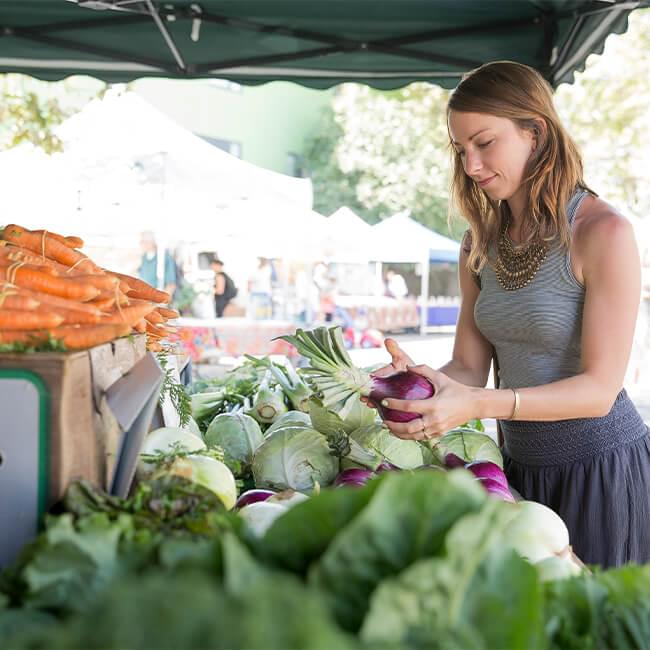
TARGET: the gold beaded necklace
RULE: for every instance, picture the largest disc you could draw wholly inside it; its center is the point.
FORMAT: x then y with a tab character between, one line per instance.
516	267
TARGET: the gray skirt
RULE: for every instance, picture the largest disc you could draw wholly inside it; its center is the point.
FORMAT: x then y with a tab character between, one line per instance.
595	473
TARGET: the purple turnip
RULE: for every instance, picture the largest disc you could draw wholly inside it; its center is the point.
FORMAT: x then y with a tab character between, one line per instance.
401	385
355	477
495	489
253	496
485	469
453	462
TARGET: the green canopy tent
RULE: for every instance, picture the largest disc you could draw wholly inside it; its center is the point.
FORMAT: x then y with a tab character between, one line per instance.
317	43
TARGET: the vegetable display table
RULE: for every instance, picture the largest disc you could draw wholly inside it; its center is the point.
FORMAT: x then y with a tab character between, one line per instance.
68	416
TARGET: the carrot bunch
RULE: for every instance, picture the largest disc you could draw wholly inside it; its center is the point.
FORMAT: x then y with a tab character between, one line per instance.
50	290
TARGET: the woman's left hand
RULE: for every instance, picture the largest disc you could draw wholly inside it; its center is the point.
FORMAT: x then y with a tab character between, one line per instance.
452	404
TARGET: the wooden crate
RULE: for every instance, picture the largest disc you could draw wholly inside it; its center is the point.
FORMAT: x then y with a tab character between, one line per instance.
83	434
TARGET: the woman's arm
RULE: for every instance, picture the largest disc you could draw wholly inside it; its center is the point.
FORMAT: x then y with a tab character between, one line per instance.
610	267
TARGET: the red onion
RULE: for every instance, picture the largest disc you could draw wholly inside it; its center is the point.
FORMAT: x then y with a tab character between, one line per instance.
452	461
495	489
353	476
253	496
402	385
484	469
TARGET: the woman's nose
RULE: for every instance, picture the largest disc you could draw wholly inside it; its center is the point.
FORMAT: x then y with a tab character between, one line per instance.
473	163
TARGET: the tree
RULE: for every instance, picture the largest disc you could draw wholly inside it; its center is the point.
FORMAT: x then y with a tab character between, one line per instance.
606	111
26	117
381	152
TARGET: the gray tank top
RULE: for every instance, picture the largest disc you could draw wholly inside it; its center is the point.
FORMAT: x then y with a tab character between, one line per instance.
535	330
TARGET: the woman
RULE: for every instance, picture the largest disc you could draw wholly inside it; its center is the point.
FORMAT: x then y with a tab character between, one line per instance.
550	284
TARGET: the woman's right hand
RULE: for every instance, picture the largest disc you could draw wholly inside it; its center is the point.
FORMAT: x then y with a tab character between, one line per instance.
399	362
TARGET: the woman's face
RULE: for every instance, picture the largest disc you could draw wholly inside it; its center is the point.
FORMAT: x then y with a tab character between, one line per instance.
494	151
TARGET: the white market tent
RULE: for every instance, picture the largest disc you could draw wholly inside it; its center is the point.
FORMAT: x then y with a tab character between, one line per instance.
126	168
401	239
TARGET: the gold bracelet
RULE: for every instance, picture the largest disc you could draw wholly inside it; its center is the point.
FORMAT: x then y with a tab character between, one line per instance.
515	410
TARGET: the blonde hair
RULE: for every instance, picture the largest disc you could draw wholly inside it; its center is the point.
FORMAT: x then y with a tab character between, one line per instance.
519	93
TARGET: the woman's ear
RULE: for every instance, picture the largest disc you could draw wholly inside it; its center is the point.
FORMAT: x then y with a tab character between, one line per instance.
539	131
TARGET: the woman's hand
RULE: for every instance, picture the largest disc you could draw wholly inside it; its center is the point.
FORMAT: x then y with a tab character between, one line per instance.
451	405
399	362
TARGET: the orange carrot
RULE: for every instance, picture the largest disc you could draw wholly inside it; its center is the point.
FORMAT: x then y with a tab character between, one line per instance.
130	314
15	319
18	336
154	346
76	317
103	304
159	332
11	300
39	281
53	301
101	282
7	261
76	337
154	318
141	290
169	314
70	242
47	246
141	326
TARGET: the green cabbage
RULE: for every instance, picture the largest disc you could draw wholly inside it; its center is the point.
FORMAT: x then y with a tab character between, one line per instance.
290	417
470	446
295	457
239	435
405	454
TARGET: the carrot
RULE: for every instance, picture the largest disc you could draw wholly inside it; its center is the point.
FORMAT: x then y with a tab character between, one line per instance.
159	332
18	336
141	290
76	317
154	318
70	242
16	319
39	281
77	337
53	301
103	304
47	247
11	300
130	314
101	282
7	260
154	346
169	314
141	326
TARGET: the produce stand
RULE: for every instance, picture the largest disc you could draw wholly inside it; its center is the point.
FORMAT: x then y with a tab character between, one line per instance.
69	416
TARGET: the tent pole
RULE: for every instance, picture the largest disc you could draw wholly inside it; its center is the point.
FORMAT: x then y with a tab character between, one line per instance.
424	295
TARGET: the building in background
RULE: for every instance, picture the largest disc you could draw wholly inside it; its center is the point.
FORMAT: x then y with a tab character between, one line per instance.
265	125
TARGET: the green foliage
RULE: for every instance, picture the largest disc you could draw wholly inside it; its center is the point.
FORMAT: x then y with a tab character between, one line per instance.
176	392
606	112
406	520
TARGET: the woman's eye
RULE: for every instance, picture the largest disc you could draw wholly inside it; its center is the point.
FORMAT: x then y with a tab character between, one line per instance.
485	144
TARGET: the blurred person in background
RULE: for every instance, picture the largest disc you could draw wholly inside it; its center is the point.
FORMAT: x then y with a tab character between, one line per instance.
148	269
396	285
260	287
224	287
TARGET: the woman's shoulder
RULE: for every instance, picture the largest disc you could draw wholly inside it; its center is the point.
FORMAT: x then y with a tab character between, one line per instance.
597	226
